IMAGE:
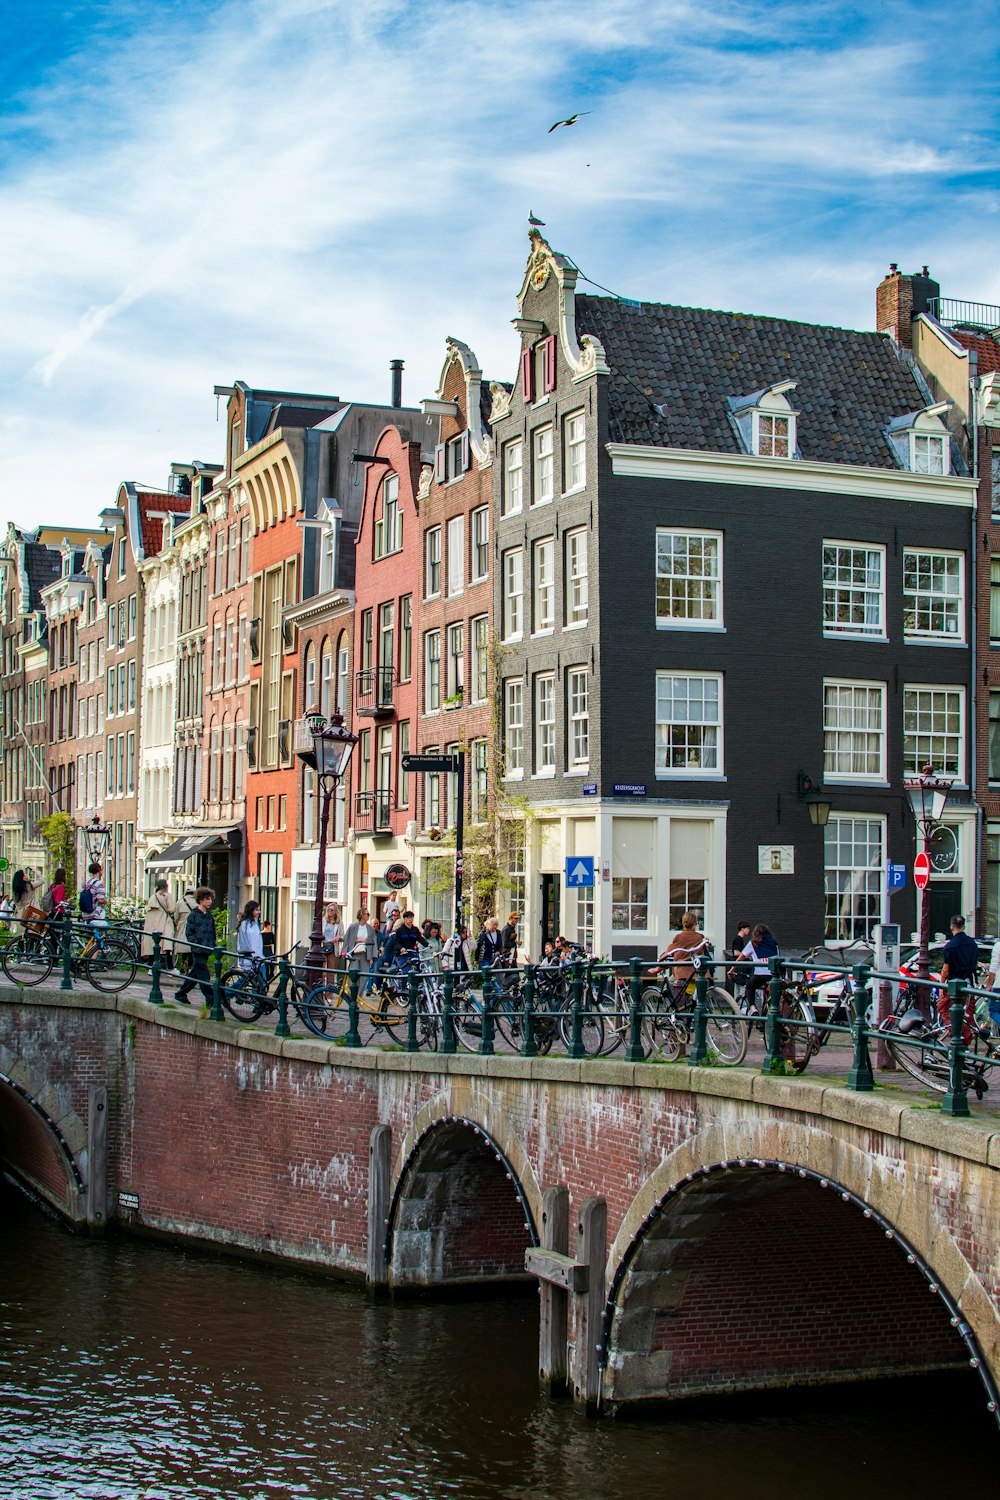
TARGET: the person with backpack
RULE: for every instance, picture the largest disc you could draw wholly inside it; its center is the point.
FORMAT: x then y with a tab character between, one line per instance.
54	900
93	898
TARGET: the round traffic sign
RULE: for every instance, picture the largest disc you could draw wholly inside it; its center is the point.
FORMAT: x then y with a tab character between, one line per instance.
4	864
397	877
921	870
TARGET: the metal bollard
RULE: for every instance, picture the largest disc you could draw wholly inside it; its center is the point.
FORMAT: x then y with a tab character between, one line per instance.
216	1011
860	1077
956	1100
66	983
285	971
486	1048
352	1037
155	993
775	1061
412	1045
635	1052
576	1050
699	1045
448	1043
529	1047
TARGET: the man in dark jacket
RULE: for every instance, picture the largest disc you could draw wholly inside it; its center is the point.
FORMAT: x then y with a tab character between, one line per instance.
199	935
489	945
401	947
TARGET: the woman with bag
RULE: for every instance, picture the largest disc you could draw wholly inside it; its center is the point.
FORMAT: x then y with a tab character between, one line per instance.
160	916
22	890
333	937
360	941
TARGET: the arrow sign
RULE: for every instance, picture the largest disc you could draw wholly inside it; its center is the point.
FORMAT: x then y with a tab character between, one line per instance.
921	871
429	763
580	870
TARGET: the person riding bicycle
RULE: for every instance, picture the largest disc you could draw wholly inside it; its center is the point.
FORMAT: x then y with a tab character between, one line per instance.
762	946
401	946
688	943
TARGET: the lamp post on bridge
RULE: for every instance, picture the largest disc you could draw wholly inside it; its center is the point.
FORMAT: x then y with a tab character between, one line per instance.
97	836
928	795
328	754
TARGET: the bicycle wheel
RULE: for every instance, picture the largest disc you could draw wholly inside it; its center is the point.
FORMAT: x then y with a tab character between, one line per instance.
240	995
109	966
725	1030
325	1011
927	1067
660	1041
27	959
467	1018
393	1014
591	1030
801	1041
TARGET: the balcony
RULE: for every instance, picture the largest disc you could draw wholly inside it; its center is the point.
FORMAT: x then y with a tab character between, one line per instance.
373	811
955	313
373	693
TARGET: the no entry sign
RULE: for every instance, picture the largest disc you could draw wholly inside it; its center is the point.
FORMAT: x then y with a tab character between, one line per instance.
921	871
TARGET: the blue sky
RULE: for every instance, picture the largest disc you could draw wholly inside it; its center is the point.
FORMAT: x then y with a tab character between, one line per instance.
294	192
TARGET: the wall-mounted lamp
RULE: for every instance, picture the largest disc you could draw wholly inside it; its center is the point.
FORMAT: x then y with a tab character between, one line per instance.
812	795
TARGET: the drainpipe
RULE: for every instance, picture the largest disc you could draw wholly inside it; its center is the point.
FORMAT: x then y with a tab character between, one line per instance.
974	675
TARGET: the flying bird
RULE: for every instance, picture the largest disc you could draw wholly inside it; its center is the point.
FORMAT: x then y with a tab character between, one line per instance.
571	121
535	223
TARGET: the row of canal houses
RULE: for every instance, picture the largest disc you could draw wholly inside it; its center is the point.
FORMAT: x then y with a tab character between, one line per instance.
679	570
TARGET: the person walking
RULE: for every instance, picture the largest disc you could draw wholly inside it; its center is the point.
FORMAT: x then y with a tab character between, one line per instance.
959	960
360	943
249	937
160	916
509	940
457	952
489	944
199	934
54	900
22	889
435	943
333	937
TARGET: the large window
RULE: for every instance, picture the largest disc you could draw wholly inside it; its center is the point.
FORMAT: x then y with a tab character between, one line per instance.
577	719
406	638
853	589
389	525
854	731
545	724
630	904
513	726
480	658
576	577
932	595
934	730
517	880
432	671
854	865
513	594
544	461
994	746
688	578
456	661
686	895
513	478
688	724
403	777
543	608
432	562
574	452
480	780
456	555
995	601
480	543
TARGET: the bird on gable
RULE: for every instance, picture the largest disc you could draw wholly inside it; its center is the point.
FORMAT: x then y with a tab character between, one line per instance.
571	121
535	223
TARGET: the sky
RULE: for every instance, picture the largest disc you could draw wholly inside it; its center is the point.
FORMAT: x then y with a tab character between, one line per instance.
294	192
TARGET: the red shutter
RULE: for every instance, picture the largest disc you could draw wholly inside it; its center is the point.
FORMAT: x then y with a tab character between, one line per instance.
439	463
466	460
550	362
527	376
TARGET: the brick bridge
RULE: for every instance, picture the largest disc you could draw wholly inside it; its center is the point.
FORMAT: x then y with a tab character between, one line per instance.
694	1229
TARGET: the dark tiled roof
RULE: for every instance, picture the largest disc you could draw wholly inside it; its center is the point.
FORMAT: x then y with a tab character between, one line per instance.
43	566
986	348
287	414
690	361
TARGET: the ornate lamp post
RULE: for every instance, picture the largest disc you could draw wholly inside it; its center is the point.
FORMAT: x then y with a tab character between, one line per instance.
928	794
328	755
98	840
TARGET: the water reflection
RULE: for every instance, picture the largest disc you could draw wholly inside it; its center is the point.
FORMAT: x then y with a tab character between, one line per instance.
131	1371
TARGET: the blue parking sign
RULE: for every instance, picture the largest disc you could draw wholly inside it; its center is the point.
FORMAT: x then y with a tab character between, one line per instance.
895	877
580	870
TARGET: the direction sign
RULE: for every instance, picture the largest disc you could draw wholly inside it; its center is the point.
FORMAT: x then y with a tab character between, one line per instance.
921	871
429	763
895	877
580	870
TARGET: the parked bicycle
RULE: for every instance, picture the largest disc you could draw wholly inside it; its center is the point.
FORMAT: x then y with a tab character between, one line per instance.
103	960
668	1019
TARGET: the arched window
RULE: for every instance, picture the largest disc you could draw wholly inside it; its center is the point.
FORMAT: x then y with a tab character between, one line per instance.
217	652
227	760
326	678
213	765
242	631
230	657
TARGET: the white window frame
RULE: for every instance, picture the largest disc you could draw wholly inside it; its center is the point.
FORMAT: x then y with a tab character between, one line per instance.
577	719
574	452
872	692
922	445
432	672
864	881
512	602
480	545
432	563
455	663
843	592
479	629
512	495
931	598
513	728
543	465
456	556
688	772
629	902
914	764
710	584
389	525
576	578
768	439
543	586
544	700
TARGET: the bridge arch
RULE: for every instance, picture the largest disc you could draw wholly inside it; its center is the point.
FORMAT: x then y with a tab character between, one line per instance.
42	1143
750	1271
464	1201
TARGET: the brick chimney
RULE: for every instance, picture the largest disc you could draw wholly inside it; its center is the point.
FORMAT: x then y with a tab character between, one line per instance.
898	300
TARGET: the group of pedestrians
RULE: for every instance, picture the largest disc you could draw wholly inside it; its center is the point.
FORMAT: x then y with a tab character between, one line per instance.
30	899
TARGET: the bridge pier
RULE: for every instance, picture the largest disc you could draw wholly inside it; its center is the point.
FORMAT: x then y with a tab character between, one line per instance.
571	1296
97	1158
379	1174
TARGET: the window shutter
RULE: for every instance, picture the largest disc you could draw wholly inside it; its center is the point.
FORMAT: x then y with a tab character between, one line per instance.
439	463
466	460
550	362
527	376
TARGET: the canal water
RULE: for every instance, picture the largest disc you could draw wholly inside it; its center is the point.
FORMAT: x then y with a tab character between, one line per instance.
135	1371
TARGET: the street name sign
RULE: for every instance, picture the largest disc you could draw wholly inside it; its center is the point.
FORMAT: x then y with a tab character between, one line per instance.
430	763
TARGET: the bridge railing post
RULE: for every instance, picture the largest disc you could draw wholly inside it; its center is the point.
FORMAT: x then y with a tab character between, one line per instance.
860	1078
284	980
576	1014
529	1047
448	1042
486	1048
634	1052
699	1044
775	1060
155	993
216	1012
956	1099
352	1037
66	940
412	1043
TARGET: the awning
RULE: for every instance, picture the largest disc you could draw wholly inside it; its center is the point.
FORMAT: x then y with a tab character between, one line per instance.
181	850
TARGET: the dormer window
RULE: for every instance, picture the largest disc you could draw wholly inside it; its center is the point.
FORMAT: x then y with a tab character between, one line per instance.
765	421
389	525
920	440
538	369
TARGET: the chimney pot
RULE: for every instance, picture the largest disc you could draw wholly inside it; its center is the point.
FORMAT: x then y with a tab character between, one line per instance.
396	372
924	271
893	268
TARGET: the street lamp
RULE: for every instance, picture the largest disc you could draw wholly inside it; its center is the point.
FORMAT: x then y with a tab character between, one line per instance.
98	840
816	800
928	795
328	754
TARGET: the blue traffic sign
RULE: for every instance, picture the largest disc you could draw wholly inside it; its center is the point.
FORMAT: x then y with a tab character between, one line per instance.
895	877
580	870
